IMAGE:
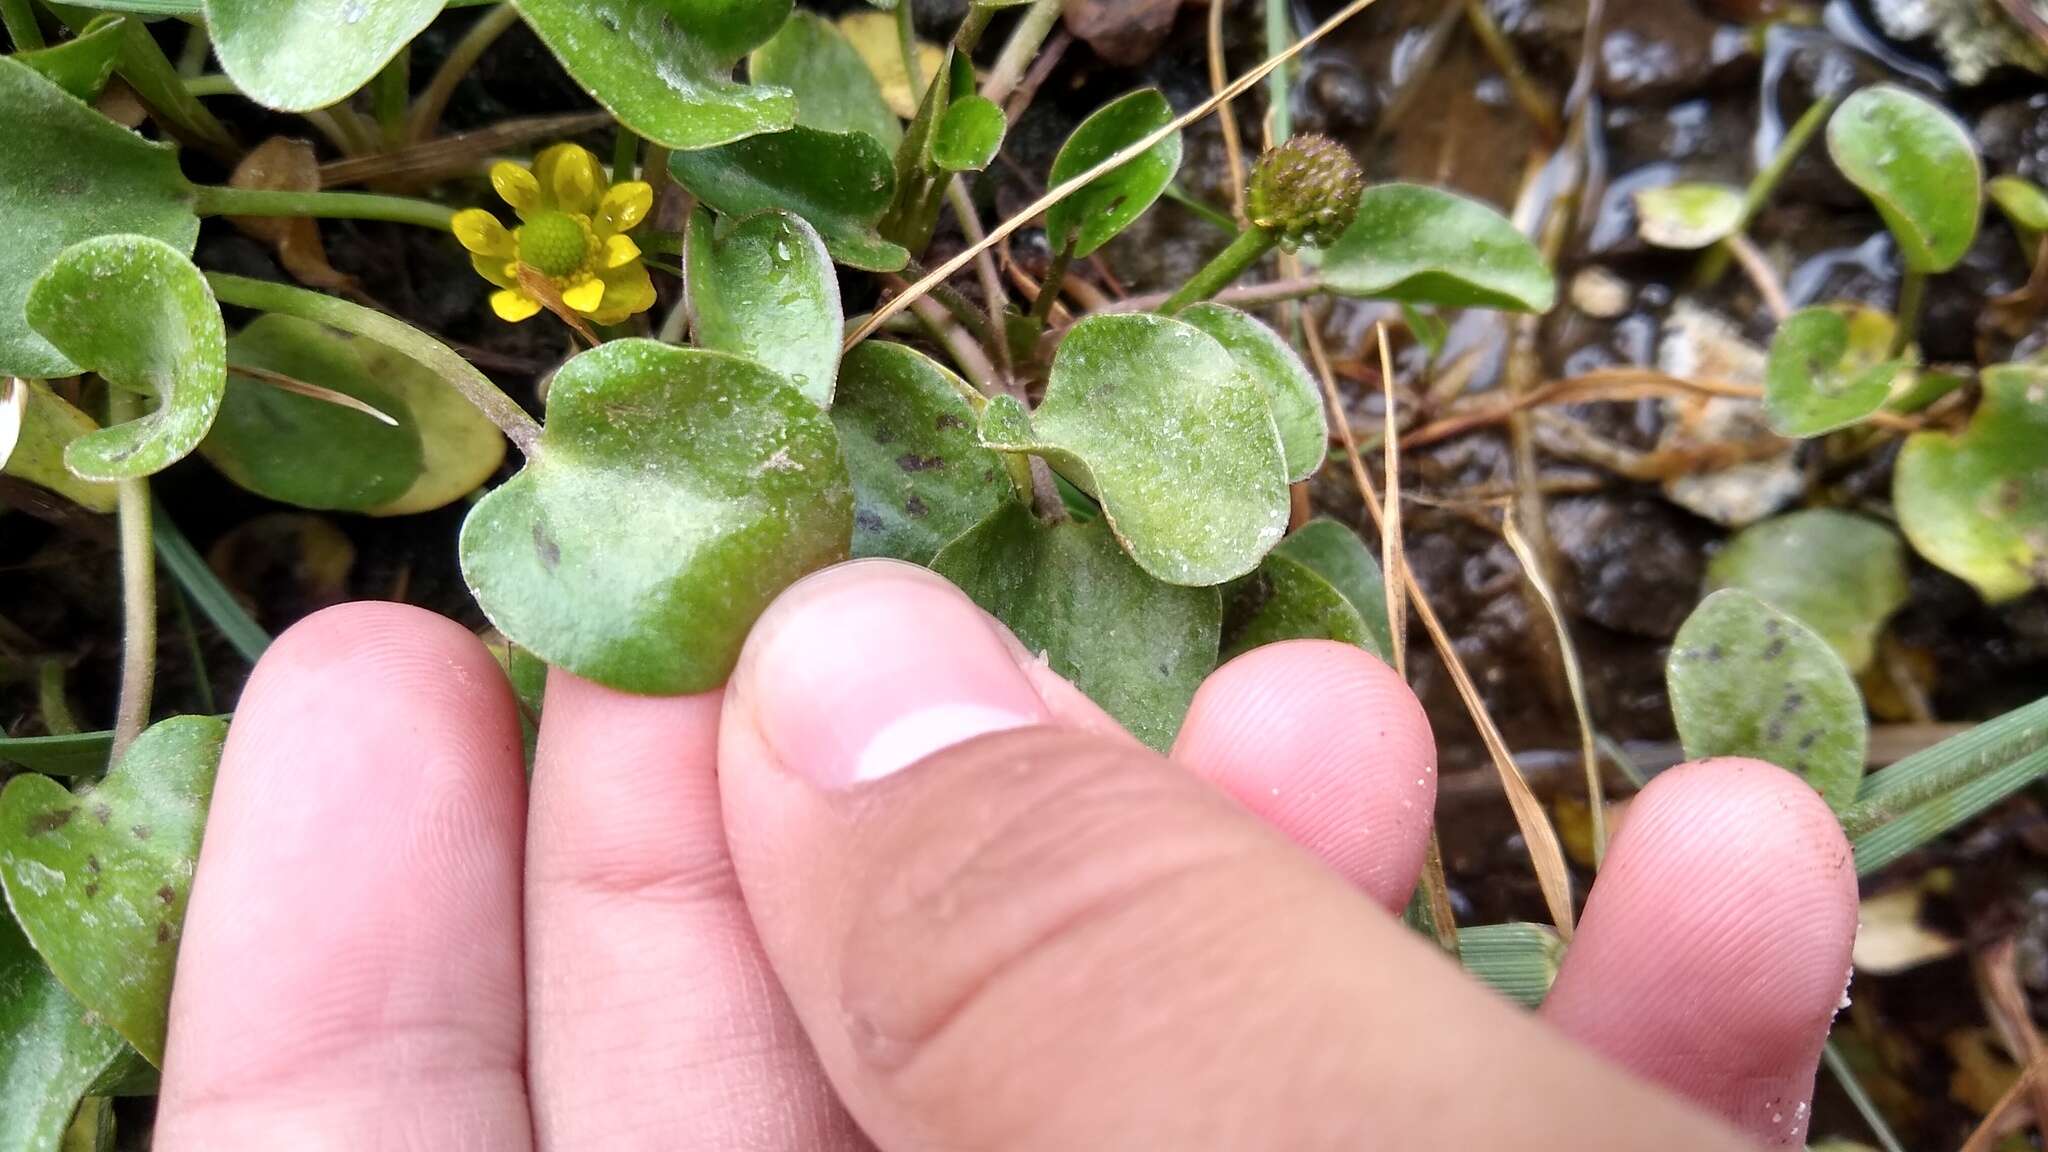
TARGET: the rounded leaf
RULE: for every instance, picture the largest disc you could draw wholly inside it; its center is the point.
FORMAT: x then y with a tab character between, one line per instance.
1829	367
1090	217
99	879
134	310
68	174
920	477
1976	503
52	1051
308	54
676	491
840	182
1320	583
1154	418
968	135
1426	246
2023	202
1137	647
1688	216
1840	574
664	67
36	426
764	288
1918	166
1294	397
82	64
460	448
1749	680
835	91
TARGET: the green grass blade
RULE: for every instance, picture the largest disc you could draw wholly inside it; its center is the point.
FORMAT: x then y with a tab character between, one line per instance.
1937	789
1519	961
207	592
78	754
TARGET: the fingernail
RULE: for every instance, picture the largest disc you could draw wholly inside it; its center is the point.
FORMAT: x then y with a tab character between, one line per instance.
869	667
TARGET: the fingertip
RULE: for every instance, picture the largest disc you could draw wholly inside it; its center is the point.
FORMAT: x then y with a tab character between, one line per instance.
1327	744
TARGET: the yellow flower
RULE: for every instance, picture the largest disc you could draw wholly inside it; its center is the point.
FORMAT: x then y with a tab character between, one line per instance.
572	234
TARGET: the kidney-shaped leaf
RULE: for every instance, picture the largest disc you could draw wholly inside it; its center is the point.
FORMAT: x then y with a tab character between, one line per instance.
99	878
1320	583
764	288
138	313
36	426
1828	368
968	135
664	67
835	91
51	1049
1749	680
310	53
2024	202
1976	503
1154	418
300	450
459	446
1136	646
1839	574
1292	394
1918	166
1426	246
675	493
920	478
1686	216
841	182
67	174
1090	217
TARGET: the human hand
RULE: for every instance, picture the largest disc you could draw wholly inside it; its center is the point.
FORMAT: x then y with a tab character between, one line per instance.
729	922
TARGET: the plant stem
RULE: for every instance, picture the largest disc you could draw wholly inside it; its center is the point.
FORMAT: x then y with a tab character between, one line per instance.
193	52
212	84
390	93
625	155
1049	288
1912	296
433	100
498	408
1865	1106
1219	272
1030	32
1200	207
22	28
142	63
972	25
1535	103
1280	85
1714	264
220	200
906	45
138	594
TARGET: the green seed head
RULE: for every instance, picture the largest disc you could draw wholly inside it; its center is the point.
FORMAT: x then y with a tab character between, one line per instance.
1306	190
555	243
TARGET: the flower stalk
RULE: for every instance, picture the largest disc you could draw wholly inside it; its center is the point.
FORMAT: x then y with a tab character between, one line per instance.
220	200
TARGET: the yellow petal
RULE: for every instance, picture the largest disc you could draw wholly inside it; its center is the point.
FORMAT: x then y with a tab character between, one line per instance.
517	186
624	206
480	232
620	251
585	297
570	177
510	305
627	289
495	269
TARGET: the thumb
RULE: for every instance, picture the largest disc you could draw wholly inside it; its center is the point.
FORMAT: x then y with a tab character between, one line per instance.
1003	935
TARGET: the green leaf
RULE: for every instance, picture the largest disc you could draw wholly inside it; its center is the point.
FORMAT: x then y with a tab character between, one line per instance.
920	478
835	91
840	182
82	64
1937	789
1322	584
1976	503
99	878
1092	216
2023	202
1839	574
968	135
664	67
145	7
137	312
1137	647
67	174
764	288
1749	680
73	754
1517	960
1293	395
1918	166
676	491
308	54
1427	327
1829	368
299	450
52	1051
460	448
1688	216
1426	246
207	593
36	426
1154	419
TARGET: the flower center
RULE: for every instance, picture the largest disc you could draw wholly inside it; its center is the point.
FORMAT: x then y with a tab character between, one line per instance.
556	243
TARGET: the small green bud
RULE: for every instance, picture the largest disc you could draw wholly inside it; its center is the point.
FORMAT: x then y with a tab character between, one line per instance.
1306	190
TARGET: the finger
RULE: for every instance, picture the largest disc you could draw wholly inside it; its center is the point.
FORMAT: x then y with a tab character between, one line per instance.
654	1020
350	974
1715	945
1043	939
1325	743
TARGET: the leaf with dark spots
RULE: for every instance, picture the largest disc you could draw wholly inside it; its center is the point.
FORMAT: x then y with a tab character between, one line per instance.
912	462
